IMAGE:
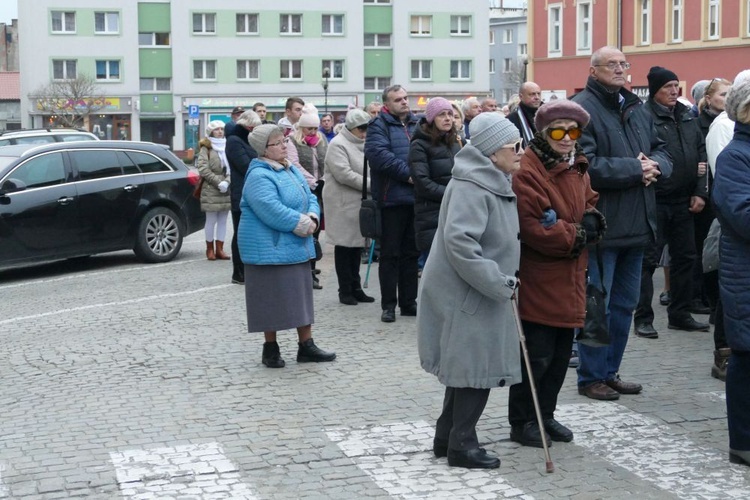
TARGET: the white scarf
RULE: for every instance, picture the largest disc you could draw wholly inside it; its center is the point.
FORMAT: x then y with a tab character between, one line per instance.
219	145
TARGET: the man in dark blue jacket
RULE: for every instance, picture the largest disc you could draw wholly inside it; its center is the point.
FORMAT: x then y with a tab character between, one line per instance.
625	158
387	151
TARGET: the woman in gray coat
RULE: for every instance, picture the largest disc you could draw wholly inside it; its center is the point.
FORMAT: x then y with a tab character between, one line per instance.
466	330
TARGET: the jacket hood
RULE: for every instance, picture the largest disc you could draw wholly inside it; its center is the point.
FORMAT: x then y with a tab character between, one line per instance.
239	131
205	143
472	166
346	134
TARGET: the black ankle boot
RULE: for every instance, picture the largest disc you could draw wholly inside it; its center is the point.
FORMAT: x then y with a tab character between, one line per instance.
310	353
361	296
272	355
347	299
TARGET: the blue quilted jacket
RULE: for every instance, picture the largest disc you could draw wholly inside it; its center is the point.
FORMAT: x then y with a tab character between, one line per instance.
272	201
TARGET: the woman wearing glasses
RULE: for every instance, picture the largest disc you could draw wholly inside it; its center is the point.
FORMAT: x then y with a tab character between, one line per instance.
466	331
558	219
279	217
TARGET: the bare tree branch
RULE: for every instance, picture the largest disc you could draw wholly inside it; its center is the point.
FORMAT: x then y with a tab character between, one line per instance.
71	101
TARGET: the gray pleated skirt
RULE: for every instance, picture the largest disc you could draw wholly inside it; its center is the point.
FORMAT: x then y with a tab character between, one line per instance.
278	297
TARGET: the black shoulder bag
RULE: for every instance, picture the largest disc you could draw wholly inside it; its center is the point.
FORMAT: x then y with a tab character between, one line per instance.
595	332
369	212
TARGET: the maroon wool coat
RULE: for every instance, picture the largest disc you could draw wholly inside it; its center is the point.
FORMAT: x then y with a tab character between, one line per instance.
553	278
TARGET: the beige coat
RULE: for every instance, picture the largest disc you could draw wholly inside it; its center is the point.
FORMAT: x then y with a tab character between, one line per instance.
212	173
342	192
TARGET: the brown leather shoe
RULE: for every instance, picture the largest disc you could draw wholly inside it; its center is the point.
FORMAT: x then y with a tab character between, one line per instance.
624	387
598	390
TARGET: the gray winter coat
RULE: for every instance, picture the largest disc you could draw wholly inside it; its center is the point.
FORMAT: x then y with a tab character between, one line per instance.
466	331
212	173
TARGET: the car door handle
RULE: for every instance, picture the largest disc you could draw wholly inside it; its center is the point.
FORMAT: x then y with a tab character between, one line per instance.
65	200
130	188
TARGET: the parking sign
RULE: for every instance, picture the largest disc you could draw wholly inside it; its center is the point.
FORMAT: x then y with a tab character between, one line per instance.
193	111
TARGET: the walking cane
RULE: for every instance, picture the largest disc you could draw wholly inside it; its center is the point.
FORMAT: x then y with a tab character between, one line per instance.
550	466
369	263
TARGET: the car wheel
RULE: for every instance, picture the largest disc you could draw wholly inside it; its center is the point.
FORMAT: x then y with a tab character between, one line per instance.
159	237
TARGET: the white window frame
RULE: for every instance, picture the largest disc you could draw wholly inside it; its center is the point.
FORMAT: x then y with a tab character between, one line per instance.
289	19
108	30
523	49
65	69
713	12
378	41
492	66
290	68
204	27
492	37
421	30
676	21
108	71
245	18
153	39
337	68
329	28
245	66
205	64
507	35
507	65
644	22
460	21
554	30
66	19
462	66
584	27
378	82
422	64
378	2
154	85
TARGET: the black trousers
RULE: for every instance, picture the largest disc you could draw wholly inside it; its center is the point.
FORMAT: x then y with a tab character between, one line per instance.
397	269
238	268
675	226
457	425
347	261
549	352
711	281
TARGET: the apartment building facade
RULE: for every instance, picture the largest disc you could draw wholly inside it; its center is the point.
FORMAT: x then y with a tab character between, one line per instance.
155	61
508	51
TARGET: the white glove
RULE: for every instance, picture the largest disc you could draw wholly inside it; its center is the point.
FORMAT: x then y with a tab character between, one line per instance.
305	226
223	186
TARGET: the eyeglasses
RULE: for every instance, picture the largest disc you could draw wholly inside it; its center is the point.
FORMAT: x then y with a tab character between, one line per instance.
557	134
278	143
614	65
517	147
711	85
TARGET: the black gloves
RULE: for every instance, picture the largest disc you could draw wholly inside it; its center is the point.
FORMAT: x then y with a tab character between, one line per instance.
594	225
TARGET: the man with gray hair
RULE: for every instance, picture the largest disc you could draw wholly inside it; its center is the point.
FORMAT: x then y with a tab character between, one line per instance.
471	108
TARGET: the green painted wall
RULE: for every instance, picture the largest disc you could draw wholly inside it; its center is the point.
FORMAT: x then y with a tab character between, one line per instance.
87	66
378	62
441	23
441	69
156	103
372	96
268	23
226	70
84	21
378	19
154	18
153	63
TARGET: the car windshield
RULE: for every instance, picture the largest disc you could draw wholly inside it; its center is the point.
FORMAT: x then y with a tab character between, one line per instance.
5	161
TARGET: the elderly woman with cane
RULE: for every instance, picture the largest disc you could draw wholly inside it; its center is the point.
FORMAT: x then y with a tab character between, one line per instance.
558	219
466	331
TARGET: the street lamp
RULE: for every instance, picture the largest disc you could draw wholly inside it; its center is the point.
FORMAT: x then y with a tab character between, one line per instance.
525	68
326	76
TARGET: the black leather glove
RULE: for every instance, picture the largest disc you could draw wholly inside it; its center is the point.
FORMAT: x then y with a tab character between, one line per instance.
592	224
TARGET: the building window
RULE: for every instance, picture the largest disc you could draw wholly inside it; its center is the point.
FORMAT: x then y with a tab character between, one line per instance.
153	39
492	66
377	82
712	30
460	25
333	24
107	22
507	65
377	40
508	95
291	69
644	22
523	49
675	21
555	30
248	69
747	18
508	36
421	70
335	69
492	37
460	70
156	84
584	28
204	70
421	25
204	24
64	69
108	70
247	24
63	22
290	24
383	2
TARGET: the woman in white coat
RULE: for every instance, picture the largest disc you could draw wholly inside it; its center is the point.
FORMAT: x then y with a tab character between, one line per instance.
342	194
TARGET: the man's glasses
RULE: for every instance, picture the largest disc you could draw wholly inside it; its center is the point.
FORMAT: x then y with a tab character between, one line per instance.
517	147
557	134
278	143
613	65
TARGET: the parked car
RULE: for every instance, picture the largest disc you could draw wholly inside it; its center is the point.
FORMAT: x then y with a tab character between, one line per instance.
45	136
76	199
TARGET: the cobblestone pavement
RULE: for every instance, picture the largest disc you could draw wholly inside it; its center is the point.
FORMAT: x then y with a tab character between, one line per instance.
125	380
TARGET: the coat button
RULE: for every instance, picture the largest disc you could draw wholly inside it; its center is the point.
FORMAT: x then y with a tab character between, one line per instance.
502	382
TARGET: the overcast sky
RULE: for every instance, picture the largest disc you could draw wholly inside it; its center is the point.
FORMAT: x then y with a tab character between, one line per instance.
8	10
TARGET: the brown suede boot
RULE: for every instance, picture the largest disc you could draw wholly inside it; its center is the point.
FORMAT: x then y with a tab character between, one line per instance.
220	251
210	250
721	360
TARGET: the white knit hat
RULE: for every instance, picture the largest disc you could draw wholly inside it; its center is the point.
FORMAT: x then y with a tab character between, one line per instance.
213	125
309	116
491	131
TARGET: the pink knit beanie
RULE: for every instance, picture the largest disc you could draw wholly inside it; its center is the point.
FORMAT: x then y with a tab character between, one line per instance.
435	106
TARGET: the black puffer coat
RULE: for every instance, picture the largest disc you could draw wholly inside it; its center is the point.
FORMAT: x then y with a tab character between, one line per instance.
239	155
430	165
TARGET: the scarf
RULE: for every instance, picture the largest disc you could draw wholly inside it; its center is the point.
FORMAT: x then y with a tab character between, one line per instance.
312	140
220	145
551	158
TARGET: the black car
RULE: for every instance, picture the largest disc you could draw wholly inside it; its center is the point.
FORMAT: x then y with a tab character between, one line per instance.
76	199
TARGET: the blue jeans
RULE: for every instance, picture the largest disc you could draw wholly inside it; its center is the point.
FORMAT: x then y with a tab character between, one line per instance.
622	278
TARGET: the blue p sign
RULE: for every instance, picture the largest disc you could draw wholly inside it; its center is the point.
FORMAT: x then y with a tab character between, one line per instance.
193	111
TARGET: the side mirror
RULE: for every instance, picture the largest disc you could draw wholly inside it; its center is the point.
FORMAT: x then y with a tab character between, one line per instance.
11	186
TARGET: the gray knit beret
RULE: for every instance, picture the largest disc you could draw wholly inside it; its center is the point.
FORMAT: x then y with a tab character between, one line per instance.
258	138
738	102
491	131
356	118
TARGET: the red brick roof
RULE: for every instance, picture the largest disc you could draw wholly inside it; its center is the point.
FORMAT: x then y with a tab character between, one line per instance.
10	86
